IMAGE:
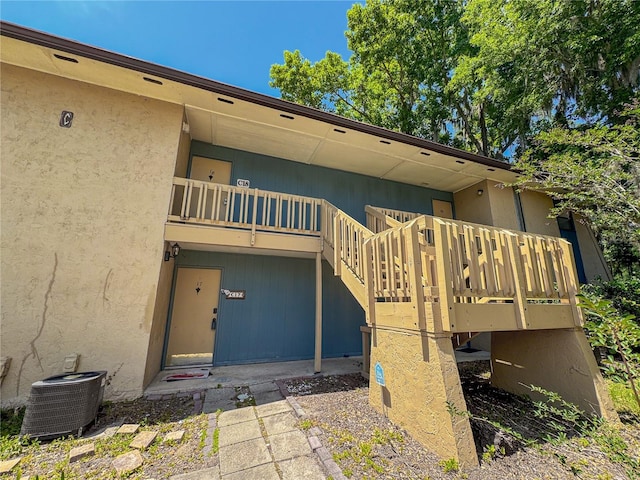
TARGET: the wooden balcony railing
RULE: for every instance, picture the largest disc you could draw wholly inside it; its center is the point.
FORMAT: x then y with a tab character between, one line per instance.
205	203
452	276
472	274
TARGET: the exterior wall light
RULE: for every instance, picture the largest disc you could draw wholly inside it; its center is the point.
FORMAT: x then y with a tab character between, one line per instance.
175	251
480	192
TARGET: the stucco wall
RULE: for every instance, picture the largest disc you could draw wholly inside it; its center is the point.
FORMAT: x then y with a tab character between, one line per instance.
535	209
503	206
159	324
592	259
472	207
163	294
420	377
83	210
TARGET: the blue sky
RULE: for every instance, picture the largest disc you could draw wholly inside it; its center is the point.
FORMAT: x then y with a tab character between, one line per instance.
233	42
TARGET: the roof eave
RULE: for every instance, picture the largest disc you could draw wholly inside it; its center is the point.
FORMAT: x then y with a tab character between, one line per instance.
72	47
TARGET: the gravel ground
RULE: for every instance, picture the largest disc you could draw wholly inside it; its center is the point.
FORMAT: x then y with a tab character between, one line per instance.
365	444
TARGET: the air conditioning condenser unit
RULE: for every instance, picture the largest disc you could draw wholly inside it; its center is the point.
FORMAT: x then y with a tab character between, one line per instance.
63	404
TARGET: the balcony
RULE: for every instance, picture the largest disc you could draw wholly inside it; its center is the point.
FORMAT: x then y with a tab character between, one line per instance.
407	270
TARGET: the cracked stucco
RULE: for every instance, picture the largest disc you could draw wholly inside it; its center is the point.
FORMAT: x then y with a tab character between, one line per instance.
83	211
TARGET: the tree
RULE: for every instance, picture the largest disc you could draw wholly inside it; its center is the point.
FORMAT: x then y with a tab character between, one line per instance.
398	72
484	75
591	171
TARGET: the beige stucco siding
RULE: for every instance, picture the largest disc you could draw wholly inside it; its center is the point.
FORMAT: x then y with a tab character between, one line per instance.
593	260
535	210
83	210
158	328
487	203
503	206
472	207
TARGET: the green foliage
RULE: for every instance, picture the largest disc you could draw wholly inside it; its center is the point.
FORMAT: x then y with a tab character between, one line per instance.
623	399
563	419
306	424
216	441
608	328
11	421
491	451
623	291
484	75
449	465
593	172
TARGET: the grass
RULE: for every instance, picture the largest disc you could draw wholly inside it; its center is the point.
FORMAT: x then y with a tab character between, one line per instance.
449	465
306	424
623	398
354	452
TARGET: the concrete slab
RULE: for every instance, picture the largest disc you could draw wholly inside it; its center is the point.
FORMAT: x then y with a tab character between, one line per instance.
206	474
306	467
219	398
280	423
242	456
127	462
262	472
7	465
472	356
239	432
288	445
267	397
263	387
236	416
273	408
175	436
252	374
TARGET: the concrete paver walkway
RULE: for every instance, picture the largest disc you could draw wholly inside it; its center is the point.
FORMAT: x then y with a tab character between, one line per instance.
262	442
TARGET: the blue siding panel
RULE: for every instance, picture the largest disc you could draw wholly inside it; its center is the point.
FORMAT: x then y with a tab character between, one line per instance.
347	191
276	322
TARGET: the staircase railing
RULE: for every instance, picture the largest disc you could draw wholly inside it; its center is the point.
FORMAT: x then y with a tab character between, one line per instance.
346	238
456	276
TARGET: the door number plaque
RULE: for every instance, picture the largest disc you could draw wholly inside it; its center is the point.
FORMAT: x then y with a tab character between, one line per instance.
234	294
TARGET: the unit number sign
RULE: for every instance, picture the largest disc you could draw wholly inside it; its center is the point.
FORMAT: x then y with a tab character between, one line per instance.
234	294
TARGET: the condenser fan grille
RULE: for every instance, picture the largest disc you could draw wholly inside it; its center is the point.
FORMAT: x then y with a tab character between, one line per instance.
63	405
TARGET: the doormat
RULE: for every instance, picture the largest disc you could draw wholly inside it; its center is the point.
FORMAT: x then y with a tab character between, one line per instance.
188	375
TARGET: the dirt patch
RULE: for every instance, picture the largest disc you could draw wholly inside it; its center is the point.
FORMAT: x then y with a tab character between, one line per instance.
365	444
162	459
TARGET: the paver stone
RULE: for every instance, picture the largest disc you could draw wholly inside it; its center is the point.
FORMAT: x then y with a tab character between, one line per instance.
127	462
82	451
128	428
143	440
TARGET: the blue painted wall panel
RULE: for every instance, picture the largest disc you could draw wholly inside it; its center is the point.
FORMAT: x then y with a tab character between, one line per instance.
276	322
348	191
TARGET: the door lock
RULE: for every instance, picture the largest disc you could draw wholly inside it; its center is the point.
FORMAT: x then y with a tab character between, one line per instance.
213	323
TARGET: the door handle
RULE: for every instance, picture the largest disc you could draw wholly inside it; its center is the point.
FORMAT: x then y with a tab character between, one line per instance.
213	323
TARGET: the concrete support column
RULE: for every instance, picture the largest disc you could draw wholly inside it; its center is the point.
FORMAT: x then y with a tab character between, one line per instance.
421	378
317	362
559	360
